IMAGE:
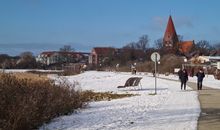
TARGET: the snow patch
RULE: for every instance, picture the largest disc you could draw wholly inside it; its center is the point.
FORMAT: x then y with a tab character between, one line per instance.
171	108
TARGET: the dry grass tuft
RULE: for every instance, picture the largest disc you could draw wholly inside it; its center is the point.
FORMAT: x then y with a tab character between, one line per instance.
98	96
31	76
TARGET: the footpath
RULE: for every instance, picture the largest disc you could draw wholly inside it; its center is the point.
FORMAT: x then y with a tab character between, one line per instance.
209	99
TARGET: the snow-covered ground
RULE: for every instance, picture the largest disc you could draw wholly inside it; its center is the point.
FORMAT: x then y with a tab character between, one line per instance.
14	70
170	109
208	81
26	70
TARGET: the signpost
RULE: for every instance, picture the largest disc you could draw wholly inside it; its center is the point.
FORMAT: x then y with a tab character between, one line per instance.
155	57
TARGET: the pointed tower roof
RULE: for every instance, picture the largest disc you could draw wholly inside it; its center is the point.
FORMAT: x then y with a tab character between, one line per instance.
170	30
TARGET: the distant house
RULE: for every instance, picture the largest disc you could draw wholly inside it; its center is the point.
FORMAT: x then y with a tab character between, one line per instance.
204	61
100	55
54	57
199	60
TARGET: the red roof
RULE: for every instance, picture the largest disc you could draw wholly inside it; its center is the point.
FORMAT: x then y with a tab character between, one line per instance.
185	46
49	53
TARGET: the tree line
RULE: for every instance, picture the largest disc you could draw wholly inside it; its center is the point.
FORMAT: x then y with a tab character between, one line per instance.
138	51
26	60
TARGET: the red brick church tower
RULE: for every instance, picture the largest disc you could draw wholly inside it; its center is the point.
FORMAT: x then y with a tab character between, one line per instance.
170	39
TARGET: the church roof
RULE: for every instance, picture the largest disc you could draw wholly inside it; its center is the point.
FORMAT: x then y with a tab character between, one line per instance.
170	32
185	46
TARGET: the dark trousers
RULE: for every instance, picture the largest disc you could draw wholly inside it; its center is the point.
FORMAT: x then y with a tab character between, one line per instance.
183	84
199	85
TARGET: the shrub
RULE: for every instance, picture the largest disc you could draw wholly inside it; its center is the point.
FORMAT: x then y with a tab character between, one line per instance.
147	66
169	62
26	103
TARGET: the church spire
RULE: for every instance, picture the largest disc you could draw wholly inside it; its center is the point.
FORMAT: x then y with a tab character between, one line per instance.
170	37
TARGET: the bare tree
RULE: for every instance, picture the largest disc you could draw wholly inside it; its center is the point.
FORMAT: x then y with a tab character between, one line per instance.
180	38
217	46
7	61
129	52
203	47
158	43
26	54
67	48
131	45
26	61
143	43
4	57
135	50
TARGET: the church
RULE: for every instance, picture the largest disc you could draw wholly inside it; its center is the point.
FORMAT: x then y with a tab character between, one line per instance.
172	43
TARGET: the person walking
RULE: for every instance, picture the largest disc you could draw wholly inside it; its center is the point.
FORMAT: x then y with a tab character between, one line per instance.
117	67
183	76
180	73
200	75
133	69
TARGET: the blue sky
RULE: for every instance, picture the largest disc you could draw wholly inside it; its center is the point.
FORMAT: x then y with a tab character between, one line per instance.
39	25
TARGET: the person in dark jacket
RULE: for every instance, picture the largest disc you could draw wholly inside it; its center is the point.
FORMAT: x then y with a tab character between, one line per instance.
183	76
179	73
200	75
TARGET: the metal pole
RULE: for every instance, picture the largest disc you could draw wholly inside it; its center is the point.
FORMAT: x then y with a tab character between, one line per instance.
3	68
155	73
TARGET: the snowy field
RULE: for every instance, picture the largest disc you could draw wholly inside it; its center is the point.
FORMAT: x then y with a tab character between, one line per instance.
26	70
14	70
208	81
170	109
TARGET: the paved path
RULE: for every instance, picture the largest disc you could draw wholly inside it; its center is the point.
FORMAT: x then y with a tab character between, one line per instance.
209	99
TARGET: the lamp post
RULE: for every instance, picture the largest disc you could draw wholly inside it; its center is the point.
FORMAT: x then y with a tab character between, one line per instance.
158	67
184	61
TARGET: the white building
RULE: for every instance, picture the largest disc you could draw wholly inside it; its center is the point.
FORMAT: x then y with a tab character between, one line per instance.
53	57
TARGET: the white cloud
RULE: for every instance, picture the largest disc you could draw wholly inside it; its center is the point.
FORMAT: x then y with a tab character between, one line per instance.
183	22
159	23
